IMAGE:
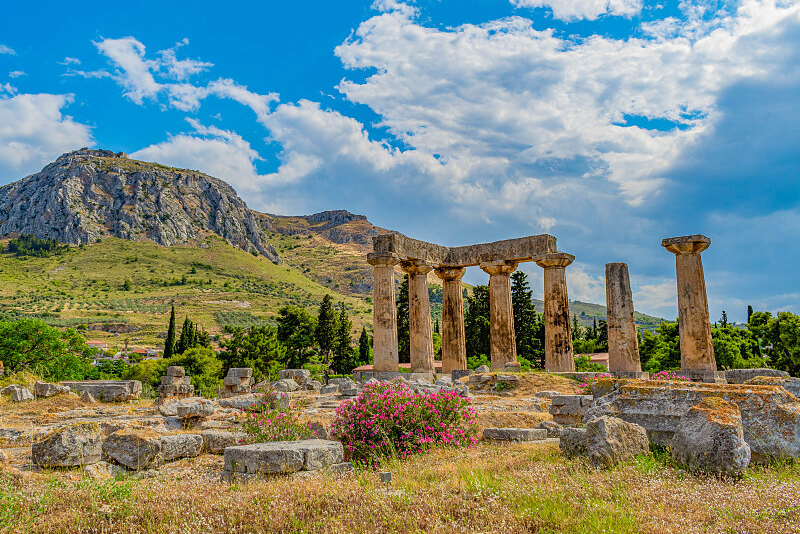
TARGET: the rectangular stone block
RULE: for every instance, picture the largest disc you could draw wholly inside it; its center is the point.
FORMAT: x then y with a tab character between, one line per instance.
176	370
740	376
283	457
566	400
514	434
240	372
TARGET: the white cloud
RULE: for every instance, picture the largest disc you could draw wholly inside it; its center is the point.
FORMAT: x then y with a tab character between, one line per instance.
181	69
34	131
583	286
134	72
70	61
16	74
659	299
7	50
584	9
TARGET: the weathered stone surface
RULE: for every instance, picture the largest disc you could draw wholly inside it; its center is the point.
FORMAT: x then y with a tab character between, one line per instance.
102	471
546	394
458	374
552	428
8	390
710	438
789	383
697	350
572	442
78	444
313	385
742	376
241	372
610	440
503	347
87	398
108	390
623	341
514	434
454	350
282	457
330	388
770	414
176	371
286	385
181	446
557	330
384	314
45	389
301	376
134	448
419	316
21	394
196	407
482	369
570	409
215	441
251	402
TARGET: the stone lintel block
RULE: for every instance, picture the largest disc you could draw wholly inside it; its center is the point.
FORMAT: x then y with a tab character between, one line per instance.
235	381
176	370
686	244
240	372
283	456
740	376
514	434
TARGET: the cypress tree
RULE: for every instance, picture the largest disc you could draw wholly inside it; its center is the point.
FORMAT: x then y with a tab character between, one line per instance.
525	316
363	347
169	343
343	345
403	328
476	322
325	331
749	313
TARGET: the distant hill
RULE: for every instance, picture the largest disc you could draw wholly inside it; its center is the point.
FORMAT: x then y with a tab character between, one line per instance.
587	312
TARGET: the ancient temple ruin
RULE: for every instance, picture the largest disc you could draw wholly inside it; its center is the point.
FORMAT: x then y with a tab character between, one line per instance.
498	259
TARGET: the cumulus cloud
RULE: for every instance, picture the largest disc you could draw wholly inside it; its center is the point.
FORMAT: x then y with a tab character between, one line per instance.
583	286
134	72
584	9
34	130
7	50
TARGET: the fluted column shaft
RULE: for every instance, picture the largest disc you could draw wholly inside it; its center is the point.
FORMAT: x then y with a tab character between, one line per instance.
623	343
419	316
697	350
501	314
384	341
454	349
558	356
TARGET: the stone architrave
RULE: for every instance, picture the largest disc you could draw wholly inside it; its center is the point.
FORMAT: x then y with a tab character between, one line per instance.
623	343
384	341
557	331
501	314
419	316
697	351
454	349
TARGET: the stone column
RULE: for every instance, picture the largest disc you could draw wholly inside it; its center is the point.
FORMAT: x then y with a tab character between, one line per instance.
697	351
419	316
623	343
558	355
454	349
384	313
501	314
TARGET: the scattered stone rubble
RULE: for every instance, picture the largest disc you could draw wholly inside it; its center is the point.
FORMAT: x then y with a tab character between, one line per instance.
108	390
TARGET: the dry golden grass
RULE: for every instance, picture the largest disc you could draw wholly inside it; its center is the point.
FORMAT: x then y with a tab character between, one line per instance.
489	488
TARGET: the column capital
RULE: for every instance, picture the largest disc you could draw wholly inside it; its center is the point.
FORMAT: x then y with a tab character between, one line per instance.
496	267
387	260
688	244
554	260
450	274
415	267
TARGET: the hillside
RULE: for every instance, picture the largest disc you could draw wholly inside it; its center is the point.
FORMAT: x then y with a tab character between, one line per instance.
587	312
214	283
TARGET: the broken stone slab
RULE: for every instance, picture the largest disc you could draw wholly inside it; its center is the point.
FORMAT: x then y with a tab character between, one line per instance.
546	394
552	428
46	389
710	439
789	383
610	440
330	388
281	457
78	444
8	390
514	434
572	400
512	367
181	446
87	398
216	441
507	378
770	414
444	381
196	408
300	376
102	471
742	376
286	385
482	369
21	394
252	402
134	448
572	442
458	374
108	390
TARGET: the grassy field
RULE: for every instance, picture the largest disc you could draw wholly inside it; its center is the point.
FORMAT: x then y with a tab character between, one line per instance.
212	282
519	488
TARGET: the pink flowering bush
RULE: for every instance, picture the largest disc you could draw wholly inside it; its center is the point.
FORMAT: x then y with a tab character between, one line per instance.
587	389
668	375
389	419
272	425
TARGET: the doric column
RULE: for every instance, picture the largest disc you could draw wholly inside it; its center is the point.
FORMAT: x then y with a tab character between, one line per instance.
454	349
558	355
501	314
697	351
384	340
623	343
419	316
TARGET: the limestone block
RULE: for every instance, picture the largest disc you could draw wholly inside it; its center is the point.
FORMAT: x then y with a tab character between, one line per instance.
233	381
458	374
215	441
286	385
134	448
330	388
78	444
314	385
87	398
552	428
21	394
176	371
108	390
710	439
789	383
8	390
241	372
546	394
181	446
610	440
195	408
281	457
45	389
514	434
482	369
301	376
512	367
444	381
770	414
507	378
742	376
102	471
572	442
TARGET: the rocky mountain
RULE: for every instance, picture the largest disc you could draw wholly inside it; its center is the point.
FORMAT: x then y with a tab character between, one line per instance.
87	195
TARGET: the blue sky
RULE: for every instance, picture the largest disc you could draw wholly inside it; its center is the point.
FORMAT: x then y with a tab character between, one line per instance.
610	124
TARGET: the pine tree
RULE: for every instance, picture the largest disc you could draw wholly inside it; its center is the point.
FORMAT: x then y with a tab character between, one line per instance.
525	317
476	323
325	331
364	346
576	328
749	313
403	328
343	360
724	320
169	343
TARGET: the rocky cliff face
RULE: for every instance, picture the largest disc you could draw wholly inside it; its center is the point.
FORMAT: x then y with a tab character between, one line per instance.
89	194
